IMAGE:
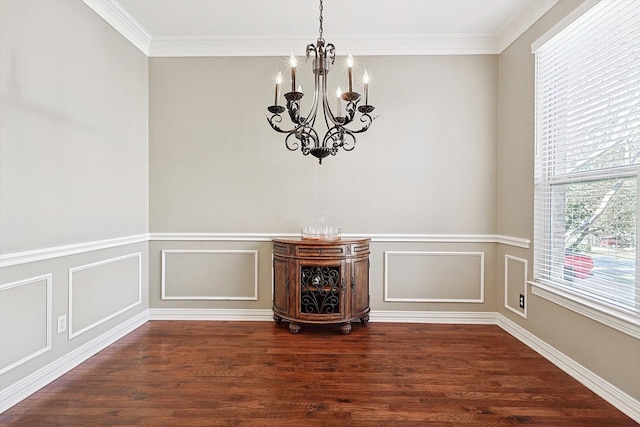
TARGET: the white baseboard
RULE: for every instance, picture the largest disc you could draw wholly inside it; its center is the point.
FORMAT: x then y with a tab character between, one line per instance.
618	398
210	314
478	318
34	382
450	317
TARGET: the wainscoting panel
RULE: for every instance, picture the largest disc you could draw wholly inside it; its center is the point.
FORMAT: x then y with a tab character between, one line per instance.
228	275
25	320
102	290
515	284
426	276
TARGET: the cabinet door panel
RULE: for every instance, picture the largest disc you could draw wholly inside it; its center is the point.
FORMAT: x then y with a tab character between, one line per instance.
321	290
359	286
280	286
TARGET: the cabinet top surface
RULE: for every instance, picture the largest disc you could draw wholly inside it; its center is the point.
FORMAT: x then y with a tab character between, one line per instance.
319	242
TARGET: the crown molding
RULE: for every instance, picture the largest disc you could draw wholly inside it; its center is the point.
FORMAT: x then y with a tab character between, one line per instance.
381	44
522	23
123	22
375	44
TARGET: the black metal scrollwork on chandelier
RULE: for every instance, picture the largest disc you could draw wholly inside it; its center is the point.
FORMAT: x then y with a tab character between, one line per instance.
337	135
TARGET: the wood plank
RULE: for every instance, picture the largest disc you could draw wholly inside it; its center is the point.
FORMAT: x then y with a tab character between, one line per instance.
174	373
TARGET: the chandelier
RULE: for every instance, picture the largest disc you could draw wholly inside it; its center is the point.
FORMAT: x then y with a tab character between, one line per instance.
338	135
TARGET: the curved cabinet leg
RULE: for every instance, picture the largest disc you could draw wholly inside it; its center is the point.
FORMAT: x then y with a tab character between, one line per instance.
346	328
364	320
294	328
277	319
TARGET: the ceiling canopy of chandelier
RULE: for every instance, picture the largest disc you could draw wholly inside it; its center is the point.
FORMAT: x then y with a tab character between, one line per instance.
303	130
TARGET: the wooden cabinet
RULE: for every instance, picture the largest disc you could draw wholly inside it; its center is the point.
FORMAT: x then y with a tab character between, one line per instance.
321	281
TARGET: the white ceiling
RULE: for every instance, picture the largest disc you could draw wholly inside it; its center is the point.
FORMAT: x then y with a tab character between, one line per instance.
277	27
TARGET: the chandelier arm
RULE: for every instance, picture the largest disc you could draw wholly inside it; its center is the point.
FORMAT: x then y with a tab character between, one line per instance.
334	134
311	48
293	108
349	146
330	52
295	144
350	112
328	114
306	135
337	135
311	119
276	118
367	120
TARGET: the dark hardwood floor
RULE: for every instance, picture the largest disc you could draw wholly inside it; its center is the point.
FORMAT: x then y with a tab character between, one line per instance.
258	374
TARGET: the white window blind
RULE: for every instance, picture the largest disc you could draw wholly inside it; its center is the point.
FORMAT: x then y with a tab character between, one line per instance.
588	158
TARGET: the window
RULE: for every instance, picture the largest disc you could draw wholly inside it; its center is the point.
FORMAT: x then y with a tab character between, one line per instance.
588	160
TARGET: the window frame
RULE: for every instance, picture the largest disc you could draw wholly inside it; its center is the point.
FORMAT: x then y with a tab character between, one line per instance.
610	314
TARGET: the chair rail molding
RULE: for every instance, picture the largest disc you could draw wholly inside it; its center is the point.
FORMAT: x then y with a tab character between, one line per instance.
24	257
18	258
375	237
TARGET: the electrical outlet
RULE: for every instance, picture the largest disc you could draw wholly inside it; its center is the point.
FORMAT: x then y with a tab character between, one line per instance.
62	323
521	303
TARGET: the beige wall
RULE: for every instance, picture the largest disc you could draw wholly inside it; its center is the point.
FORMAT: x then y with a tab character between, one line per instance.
427	165
73	170
74	97
608	353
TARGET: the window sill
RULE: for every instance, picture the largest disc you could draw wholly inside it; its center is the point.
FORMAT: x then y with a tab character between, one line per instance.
619	321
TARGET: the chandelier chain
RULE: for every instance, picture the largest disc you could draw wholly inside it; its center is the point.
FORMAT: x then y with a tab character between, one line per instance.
320	20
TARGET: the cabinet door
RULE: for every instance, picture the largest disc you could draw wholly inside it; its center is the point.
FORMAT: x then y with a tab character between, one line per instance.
280	286
359	286
321	290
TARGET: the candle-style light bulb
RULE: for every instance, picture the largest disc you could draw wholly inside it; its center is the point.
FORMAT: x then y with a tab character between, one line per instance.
339	96
300	88
294	63
350	71
365	80
278	83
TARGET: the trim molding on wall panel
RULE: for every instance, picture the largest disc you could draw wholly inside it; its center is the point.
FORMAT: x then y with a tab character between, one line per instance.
524	285
18	258
589	379
614	319
428	253
211	297
122	22
48	278
210	314
34	382
72	333
400	238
